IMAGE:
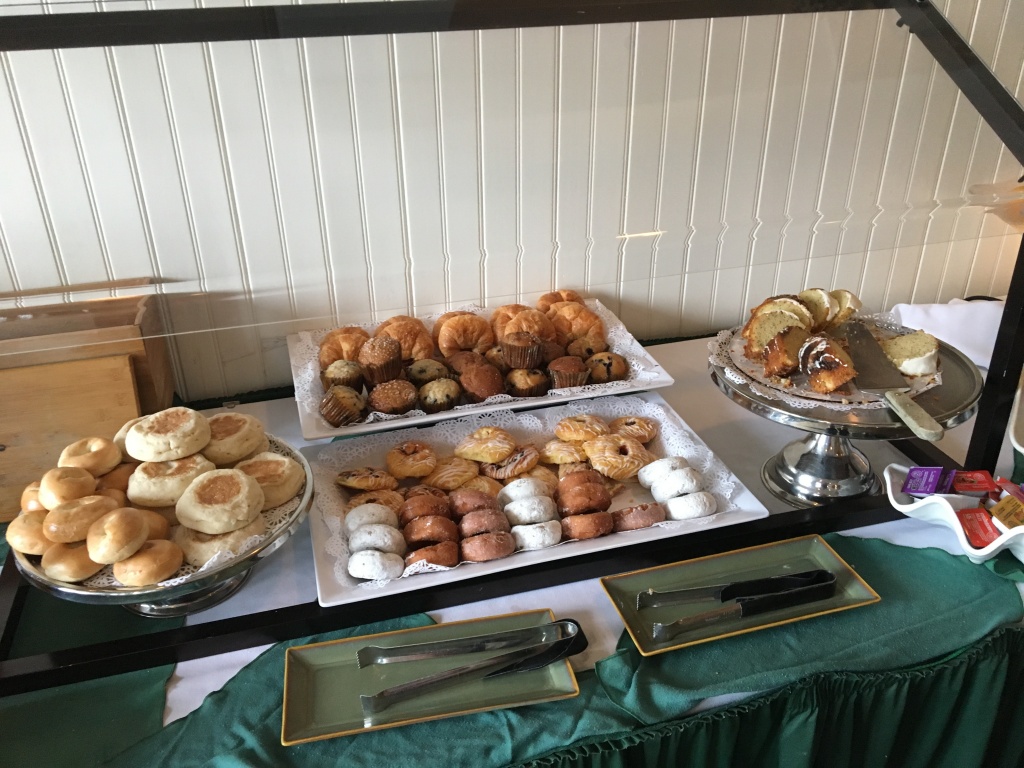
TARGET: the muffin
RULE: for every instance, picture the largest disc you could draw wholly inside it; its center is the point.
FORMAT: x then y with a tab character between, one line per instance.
495	357
523	382
481	381
422	371
568	371
381	358
521	350
342	405
607	366
461	361
551	350
346	373
587	346
439	395
395	396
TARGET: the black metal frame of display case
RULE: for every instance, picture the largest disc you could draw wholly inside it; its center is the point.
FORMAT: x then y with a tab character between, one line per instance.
107	28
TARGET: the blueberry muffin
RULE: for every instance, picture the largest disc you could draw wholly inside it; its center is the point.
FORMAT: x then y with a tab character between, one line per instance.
527	382
395	396
607	366
440	395
381	358
422	371
496	357
347	373
342	405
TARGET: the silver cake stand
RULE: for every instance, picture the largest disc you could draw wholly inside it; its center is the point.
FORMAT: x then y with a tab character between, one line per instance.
824	466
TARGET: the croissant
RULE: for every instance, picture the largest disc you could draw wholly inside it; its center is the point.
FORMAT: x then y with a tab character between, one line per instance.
341	344
532	321
413	336
501	316
465	332
436	330
574	321
544	302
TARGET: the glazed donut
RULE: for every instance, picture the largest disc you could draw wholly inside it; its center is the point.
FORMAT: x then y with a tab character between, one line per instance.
501	317
522	488
161	483
579	477
588	526
532	321
537	535
656	470
562	452
553	297
156	561
640	516
432	529
486	445
411	459
465	332
465	500
157	524
96	455
487	546
382	538
69	562
641	429
117	478
70	521
446	554
692	505
545	475
366	479
536	509
452	472
64	484
582	499
30	498
616	456
173	433
423	506
199	548
677	483
233	436
393	500
580	428
25	533
375	566
117	535
370	514
484	484
483	521
520	461
425	490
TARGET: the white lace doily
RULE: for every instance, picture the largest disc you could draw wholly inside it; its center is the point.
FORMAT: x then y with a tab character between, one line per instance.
674	439
726	352
644	373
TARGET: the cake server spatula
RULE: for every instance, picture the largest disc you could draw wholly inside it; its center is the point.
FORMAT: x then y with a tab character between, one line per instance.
876	373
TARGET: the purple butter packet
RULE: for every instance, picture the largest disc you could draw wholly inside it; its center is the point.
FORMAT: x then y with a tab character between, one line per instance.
925	481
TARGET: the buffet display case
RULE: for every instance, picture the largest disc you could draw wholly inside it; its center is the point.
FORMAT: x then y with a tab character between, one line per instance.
222	340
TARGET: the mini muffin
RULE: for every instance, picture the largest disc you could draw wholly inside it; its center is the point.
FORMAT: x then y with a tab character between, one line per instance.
347	373
381	358
496	357
440	395
522	382
461	361
607	366
342	405
422	371
482	381
568	371
522	349
395	396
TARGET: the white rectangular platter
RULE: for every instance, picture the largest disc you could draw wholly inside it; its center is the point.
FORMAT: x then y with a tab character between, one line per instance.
736	504
645	374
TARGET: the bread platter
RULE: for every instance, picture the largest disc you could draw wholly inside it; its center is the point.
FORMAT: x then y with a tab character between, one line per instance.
190	589
335	586
644	374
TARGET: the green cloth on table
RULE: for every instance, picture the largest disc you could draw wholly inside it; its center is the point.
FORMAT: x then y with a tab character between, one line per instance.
932	604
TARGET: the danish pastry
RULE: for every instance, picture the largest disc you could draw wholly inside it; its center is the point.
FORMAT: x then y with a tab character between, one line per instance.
487	445
641	429
519	461
562	452
366	479
393	500
452	472
411	459
484	484
616	456
580	428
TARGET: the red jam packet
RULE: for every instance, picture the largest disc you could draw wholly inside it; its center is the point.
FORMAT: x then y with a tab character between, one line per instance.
977	525
1010	487
976	482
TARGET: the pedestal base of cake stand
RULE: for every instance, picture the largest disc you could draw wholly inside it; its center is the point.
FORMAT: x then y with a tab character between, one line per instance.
819	469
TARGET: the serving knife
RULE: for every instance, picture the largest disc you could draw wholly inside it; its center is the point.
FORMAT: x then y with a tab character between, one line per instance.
876	373
650	598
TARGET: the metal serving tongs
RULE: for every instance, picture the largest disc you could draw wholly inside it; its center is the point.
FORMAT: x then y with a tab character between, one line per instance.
749	598
569	643
492	641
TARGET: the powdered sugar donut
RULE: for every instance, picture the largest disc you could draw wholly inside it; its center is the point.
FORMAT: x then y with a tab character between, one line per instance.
383	538
375	566
535	509
690	506
537	535
370	514
522	488
656	470
676	483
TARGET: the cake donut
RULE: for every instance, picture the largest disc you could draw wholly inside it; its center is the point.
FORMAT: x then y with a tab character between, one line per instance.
536	509
375	566
378	536
423	506
69	562
157	560
588	526
483	521
520	461
656	470
487	546
537	535
25	533
522	488
411	459
639	516
579	477
465	500
692	505
432	529
445	553
96	455
64	484
370	514
542	473
391	499
676	483
583	499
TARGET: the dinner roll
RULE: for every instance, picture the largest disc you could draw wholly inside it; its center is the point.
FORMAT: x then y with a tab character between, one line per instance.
220	501
233	437
199	547
173	433
161	483
279	476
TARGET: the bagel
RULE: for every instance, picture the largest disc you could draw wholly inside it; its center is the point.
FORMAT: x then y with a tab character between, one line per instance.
117	535
69	562
113	493
70	521
30	498
170	434
96	455
156	561
117	478
64	484
25	533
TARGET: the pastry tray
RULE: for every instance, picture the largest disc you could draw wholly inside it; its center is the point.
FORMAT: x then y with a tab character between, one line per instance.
645	373
736	504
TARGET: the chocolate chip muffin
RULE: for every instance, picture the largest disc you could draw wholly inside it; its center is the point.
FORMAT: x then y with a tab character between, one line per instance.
440	395
395	396
496	357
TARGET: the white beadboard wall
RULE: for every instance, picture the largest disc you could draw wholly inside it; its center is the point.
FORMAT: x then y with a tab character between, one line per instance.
679	171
